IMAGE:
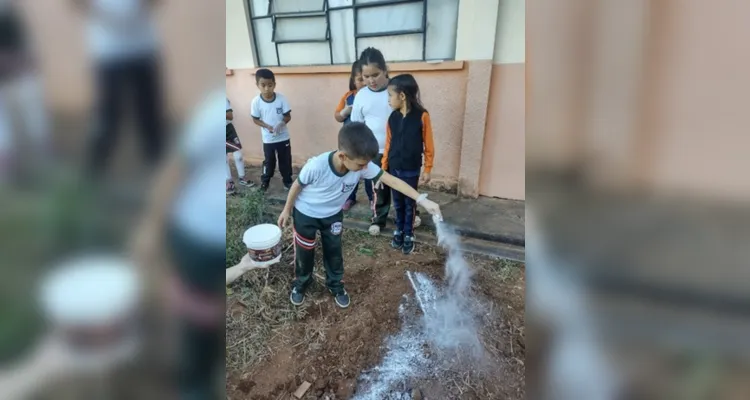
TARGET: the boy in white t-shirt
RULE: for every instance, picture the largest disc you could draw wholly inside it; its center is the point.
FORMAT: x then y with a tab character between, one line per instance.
271	112
317	196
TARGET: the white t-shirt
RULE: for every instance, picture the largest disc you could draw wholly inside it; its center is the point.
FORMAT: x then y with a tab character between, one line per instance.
324	191
119	29
200	207
229	108
372	108
271	112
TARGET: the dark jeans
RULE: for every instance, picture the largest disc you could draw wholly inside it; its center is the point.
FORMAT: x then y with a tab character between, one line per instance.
368	190
199	268
115	82
405	207
382	201
305	230
281	151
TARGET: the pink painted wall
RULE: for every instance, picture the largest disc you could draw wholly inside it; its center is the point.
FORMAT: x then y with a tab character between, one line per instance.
313	99
192	60
503	155
698	97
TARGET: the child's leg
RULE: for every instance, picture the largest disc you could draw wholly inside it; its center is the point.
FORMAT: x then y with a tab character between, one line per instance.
398	205
305	229
382	202
410	206
147	86
330	233
239	163
110	90
229	172
269	163
368	189
284	151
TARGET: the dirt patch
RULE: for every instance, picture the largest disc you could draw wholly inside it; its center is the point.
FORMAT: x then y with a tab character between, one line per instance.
330	347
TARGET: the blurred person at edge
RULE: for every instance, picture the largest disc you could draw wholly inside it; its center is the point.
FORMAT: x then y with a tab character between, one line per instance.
186	216
20	85
123	44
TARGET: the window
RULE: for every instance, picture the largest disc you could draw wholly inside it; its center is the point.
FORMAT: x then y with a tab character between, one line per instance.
317	32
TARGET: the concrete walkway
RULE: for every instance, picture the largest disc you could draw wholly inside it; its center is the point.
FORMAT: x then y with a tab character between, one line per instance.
484	219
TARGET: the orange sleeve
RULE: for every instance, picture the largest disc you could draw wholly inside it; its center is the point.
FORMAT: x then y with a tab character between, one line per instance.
429	144
342	103
384	160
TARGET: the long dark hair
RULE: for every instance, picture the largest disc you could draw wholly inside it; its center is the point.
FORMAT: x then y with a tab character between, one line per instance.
407	85
372	55
356	70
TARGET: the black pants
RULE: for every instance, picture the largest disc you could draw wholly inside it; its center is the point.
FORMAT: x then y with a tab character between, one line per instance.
202	348
405	207
281	151
115	82
305	230
382	201
368	190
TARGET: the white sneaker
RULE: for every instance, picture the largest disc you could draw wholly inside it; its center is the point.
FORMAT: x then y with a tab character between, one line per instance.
417	222
374	230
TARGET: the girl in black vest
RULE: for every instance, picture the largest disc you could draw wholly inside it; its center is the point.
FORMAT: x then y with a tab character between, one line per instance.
408	139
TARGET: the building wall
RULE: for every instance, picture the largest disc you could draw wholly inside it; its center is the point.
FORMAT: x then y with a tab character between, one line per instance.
650	95
313	97
503	156
190	59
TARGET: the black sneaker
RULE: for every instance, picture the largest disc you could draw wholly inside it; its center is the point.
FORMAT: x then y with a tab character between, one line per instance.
398	240
287	186
263	187
297	297
230	187
247	183
408	245
342	299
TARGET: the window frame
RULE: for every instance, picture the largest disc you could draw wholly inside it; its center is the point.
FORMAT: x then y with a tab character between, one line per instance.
325	12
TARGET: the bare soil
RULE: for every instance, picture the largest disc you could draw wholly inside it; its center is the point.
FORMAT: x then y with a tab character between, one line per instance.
273	347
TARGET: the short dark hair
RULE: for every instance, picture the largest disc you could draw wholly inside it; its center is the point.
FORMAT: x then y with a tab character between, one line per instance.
264	73
357	141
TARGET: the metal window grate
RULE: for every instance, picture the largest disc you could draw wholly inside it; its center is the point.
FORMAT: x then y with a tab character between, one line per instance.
324	12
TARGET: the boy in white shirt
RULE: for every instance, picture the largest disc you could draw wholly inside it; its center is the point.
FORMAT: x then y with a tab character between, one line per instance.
316	199
234	146
271	112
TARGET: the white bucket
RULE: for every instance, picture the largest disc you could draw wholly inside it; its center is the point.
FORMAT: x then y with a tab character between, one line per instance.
263	243
93	301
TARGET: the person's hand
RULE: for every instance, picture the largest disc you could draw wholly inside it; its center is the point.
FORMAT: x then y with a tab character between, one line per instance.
247	264
283	218
279	127
346	112
54	357
145	245
426	178
270	128
432	208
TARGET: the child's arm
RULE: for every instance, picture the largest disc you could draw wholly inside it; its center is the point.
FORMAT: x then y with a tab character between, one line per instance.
384	160
342	110
262	124
287	117
230	115
255	113
289	206
401	186
429	147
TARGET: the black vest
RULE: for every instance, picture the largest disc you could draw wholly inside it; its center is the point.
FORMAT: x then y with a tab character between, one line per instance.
407	144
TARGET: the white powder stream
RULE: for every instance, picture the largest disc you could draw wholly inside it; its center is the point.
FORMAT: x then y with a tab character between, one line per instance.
446	325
